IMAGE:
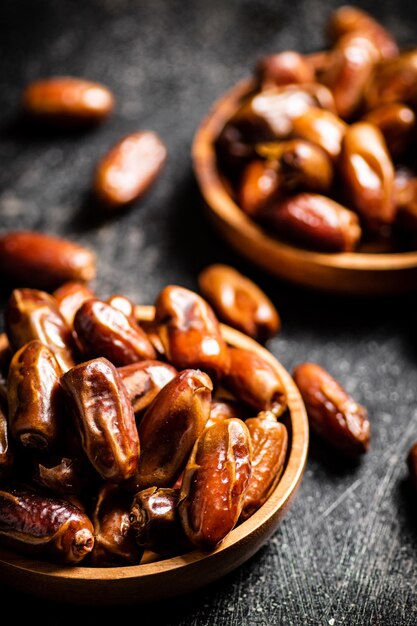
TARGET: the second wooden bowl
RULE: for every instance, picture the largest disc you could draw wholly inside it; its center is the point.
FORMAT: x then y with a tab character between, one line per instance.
348	272
182	574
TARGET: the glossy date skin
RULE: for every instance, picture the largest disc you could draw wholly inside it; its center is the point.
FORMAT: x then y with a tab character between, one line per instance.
269	440
260	184
397	123
129	169
67	101
70	296
255	382
322	128
143	381
34	397
40	526
170	427
316	221
114	542
156	523
104	418
283	68
368	173
215	482
239	302
221	410
105	331
39	260
190	332
393	81
332	412
33	314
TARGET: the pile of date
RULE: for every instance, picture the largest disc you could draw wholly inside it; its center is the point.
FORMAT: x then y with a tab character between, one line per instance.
322	151
121	438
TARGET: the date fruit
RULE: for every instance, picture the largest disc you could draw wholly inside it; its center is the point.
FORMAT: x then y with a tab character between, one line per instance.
70	296
144	380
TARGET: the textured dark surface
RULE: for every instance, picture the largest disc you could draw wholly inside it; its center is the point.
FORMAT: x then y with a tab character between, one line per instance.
346	552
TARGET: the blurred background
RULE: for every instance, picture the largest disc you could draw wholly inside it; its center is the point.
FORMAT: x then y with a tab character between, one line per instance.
346	552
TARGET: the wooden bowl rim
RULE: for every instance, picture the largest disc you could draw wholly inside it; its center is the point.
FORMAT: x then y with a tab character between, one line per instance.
226	209
240	535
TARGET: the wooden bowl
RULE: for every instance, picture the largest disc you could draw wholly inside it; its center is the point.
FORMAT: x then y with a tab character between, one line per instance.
345	272
181	574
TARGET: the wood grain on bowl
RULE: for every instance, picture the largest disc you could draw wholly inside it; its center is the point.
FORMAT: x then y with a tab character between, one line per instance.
365	273
182	574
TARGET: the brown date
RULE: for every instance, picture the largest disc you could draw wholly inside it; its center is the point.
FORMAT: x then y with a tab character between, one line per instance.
397	123
260	184
33	314
332	412
255	382
104	331
190	332
70	296
40	526
393	81
124	305
269	448
412	465
368	174
347	75
322	128
221	410
283	68
104	418
316	221
300	164
239	302
114	541
33	396
43	261
67	101
6	455
215	482
155	521
129	169
170	427
144	380
351	19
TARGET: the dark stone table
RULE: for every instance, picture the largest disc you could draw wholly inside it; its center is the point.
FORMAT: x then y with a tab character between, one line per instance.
346	552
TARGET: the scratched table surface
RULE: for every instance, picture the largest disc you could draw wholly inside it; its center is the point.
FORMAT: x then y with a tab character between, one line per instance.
346	552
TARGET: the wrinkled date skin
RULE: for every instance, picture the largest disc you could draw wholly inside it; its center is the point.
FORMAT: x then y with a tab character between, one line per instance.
322	128
283	68
104	331
143	381
333	413
170	427
315	220
269	448
300	165
260	184
190	332
67	101
255	382
104	417
350	19
396	122
128	171
42	261
239	302
33	314
33	394
156	523
412	465
40	526
114	541
70	296
6	455
215	482
368	173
